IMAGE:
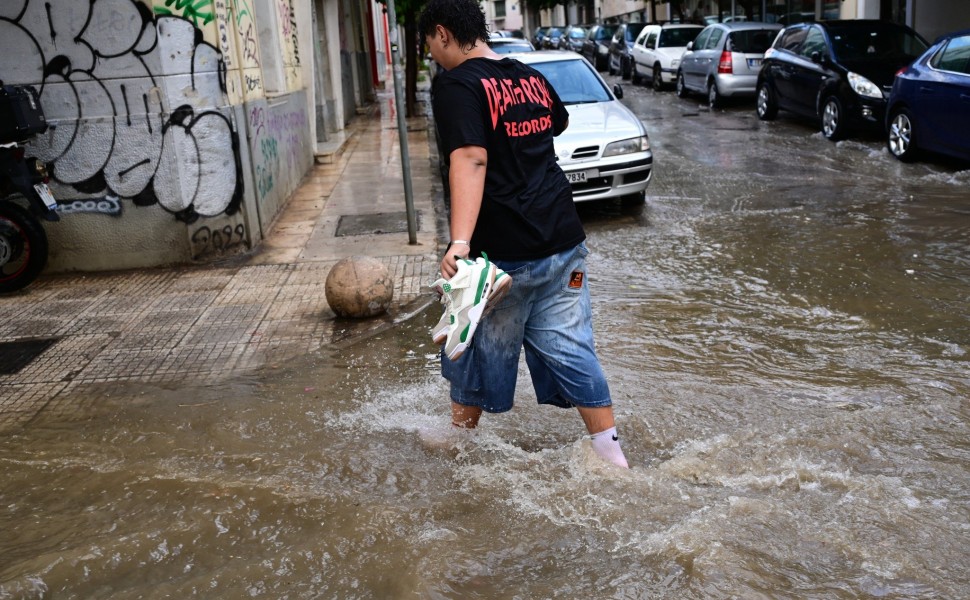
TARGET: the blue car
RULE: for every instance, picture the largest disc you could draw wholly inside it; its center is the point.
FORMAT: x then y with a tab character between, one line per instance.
929	106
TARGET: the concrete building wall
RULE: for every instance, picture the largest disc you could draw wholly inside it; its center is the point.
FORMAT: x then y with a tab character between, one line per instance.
177	129
933	18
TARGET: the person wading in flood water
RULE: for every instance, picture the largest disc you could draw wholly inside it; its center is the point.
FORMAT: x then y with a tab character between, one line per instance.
511	201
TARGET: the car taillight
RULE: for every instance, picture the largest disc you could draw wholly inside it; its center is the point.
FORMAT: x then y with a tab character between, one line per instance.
725	65
901	71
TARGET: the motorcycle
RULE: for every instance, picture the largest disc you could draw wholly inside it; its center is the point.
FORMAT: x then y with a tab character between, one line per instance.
23	241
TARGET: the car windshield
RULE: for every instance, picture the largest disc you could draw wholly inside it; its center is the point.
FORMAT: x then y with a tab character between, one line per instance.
677	37
884	42
577	34
632	30
751	41
574	81
605	33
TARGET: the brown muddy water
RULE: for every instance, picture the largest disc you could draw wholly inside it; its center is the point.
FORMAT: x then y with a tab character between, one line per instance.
785	329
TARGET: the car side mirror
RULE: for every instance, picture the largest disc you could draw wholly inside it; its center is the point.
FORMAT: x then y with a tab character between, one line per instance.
690	46
817	57
618	91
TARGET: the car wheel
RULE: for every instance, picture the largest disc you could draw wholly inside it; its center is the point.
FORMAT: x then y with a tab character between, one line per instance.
767	107
833	119
681	85
658	80
900	141
714	98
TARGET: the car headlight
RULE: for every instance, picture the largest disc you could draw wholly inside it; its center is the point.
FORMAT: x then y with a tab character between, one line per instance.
863	86
637	144
604	50
675	62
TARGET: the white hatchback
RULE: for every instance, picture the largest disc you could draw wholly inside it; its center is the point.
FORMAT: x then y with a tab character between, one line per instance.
657	51
605	151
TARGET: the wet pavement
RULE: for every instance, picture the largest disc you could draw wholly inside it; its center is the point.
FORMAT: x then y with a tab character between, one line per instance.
208	323
785	329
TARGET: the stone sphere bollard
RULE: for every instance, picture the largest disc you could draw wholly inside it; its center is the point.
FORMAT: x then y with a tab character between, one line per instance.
359	287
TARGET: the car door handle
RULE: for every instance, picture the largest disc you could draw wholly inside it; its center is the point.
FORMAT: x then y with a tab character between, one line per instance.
925	90
965	97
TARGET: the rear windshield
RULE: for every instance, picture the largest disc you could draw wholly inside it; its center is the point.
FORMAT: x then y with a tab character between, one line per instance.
678	38
751	41
883	42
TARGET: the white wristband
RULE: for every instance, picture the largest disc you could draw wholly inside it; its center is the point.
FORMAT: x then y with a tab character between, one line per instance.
453	242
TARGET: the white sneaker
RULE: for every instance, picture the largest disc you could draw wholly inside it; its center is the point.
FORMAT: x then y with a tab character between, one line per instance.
477	286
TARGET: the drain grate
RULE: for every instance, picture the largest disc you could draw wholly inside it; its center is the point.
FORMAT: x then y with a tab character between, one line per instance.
389	222
14	356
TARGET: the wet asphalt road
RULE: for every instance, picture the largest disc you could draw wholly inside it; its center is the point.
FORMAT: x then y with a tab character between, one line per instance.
785	328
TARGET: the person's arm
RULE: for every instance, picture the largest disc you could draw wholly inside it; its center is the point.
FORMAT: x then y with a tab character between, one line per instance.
466	178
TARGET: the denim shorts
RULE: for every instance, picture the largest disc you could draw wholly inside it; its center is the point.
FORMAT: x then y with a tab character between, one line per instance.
548	312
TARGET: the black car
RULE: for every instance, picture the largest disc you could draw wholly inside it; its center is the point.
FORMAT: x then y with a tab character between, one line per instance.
550	40
573	38
538	35
838	72
596	46
621	58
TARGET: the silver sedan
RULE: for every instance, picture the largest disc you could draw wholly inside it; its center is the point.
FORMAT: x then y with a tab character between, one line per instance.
605	151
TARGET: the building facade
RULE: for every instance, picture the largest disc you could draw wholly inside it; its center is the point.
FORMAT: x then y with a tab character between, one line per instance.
178	130
931	18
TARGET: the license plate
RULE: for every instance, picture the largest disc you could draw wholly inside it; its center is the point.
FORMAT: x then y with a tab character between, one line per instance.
754	62
45	194
576	177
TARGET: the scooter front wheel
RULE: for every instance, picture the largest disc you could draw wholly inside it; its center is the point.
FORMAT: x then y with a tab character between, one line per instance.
23	247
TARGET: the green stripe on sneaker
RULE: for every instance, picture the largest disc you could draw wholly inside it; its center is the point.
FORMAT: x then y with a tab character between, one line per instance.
464	333
481	285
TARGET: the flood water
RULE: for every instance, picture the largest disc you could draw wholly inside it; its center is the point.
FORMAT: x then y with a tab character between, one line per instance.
785	329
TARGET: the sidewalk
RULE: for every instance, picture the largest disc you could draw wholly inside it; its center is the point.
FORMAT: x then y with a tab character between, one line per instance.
65	336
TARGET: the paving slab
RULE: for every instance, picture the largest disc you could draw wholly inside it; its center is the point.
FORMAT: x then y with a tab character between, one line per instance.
211	323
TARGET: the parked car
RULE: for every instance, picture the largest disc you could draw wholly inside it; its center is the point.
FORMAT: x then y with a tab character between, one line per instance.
837	72
596	46
657	51
929	106
621	59
724	60
551	39
573	38
538	35
507	45
724	18
605	151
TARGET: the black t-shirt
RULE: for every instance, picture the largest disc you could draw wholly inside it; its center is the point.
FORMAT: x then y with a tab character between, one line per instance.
510	109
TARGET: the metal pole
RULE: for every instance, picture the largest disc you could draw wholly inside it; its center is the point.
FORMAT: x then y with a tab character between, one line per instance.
402	127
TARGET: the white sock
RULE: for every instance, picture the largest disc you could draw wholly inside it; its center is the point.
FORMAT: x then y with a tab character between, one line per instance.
606	445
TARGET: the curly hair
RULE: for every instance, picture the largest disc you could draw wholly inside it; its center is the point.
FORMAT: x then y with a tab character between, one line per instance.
463	18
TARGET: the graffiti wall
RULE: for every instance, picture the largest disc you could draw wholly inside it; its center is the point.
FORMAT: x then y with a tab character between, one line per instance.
280	150
147	106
